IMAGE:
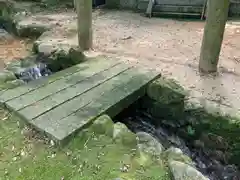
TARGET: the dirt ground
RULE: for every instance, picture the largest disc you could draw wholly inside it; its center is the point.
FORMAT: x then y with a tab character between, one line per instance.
13	49
173	48
169	46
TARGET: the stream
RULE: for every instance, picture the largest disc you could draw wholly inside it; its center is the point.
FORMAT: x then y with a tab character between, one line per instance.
137	119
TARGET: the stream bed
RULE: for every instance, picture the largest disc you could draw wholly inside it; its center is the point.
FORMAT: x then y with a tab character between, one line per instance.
138	119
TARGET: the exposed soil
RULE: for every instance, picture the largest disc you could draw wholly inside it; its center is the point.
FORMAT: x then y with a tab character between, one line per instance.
13	49
173	47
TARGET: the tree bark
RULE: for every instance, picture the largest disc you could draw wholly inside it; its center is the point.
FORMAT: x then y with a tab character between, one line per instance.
217	14
84	22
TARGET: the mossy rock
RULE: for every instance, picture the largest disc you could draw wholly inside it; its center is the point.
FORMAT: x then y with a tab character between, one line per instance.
62	59
103	125
224	131
167	111
6	75
143	159
149	145
112	4
7	11
182	171
30	30
166	91
176	154
123	135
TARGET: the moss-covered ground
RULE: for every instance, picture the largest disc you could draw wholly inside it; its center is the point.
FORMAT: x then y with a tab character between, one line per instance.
26	156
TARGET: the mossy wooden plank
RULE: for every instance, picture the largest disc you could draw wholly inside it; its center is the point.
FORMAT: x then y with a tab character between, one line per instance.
77	103
14	93
67	94
71	124
43	92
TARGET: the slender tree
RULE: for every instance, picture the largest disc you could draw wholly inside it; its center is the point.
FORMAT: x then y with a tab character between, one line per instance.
84	12
217	14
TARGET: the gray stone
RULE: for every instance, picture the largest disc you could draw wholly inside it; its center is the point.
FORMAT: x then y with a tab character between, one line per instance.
103	125
6	75
148	144
182	171
123	135
31	28
166	91
176	154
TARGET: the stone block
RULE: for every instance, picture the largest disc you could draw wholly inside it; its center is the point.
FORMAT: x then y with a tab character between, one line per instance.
166	91
167	111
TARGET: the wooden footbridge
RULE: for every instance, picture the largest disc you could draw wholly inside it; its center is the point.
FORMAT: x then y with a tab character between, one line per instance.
63	103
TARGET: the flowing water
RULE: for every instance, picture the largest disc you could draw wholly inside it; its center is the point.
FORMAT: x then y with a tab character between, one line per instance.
138	119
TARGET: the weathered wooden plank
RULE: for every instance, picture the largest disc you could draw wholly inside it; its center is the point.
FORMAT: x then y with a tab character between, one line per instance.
45	91
70	107
16	92
69	125
67	94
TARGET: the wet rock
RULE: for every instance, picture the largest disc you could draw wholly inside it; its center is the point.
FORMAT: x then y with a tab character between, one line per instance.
62	59
217	155
103	125
6	75
123	135
182	171
4	35
166	91
214	141
230	172
176	154
28	69
168	112
198	144
148	144
34	72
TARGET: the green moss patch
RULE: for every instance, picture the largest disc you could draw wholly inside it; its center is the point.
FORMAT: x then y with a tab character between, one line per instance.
88	156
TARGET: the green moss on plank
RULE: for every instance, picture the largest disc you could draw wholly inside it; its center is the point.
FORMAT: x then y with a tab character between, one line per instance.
130	83
14	93
56	86
49	103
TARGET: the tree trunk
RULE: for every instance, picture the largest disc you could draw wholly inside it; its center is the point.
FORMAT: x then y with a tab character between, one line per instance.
213	35
84	11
